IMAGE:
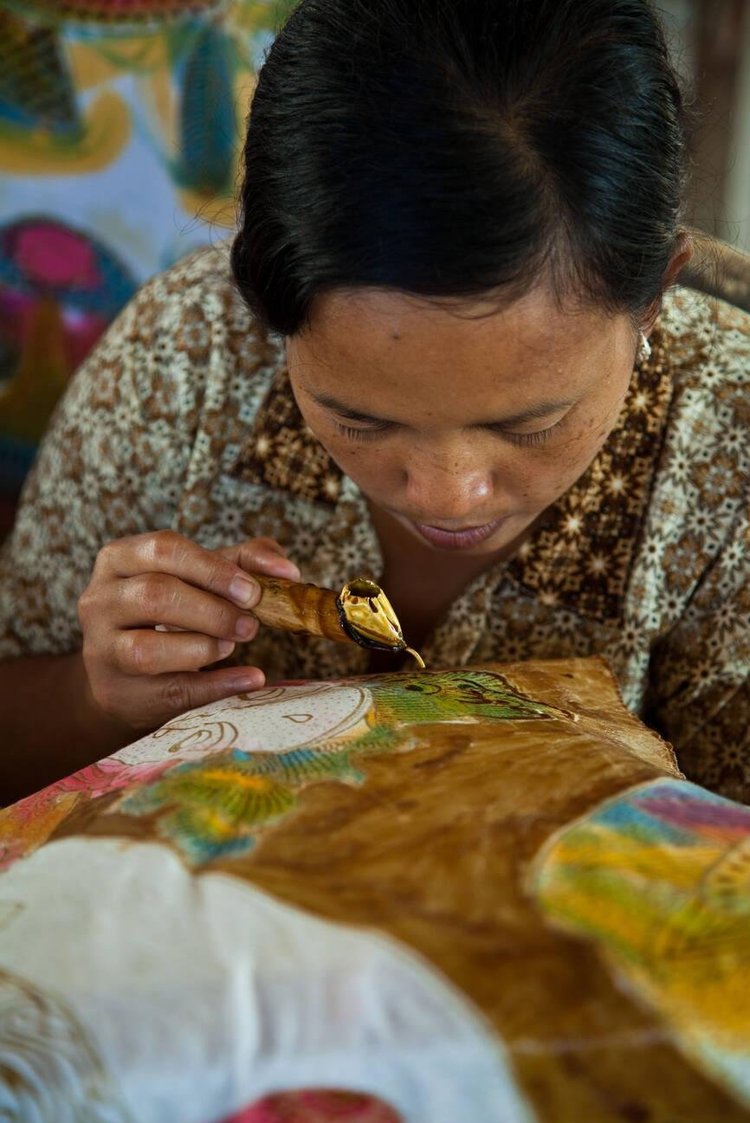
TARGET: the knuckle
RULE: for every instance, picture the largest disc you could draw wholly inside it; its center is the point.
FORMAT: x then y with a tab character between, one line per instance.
153	595
86	604
134	655
107	698
109	553
176	694
220	573
161	547
105	555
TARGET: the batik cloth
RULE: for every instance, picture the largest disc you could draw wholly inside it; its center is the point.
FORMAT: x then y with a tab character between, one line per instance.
354	901
183	418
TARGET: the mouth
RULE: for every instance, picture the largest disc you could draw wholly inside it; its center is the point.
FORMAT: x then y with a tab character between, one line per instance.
457	539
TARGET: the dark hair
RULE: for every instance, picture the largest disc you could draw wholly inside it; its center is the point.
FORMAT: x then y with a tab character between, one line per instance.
450	148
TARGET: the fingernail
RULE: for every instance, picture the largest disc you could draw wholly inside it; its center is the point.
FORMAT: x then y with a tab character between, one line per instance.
249	681
245	627
244	591
226	647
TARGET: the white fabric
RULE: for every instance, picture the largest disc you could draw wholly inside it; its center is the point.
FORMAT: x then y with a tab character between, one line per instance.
159	996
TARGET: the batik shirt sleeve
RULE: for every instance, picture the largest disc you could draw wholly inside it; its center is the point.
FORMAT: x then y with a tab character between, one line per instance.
699	696
701	674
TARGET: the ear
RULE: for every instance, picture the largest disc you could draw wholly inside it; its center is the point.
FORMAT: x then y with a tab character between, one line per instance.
681	255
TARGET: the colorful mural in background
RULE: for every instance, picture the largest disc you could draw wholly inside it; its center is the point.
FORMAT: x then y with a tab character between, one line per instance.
120	132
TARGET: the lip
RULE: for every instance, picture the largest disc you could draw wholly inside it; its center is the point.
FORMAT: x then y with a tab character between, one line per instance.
457	539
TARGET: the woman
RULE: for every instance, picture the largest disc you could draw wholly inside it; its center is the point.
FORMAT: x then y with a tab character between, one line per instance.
447	354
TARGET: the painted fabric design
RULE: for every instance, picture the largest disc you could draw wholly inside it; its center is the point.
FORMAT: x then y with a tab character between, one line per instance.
659	879
645	561
323	886
213	779
217	808
47	1058
97	99
319	1106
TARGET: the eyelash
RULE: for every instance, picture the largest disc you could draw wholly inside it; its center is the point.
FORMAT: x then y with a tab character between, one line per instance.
528	440
524	440
361	434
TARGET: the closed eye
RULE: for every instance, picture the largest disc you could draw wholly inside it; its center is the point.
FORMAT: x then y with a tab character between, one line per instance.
378	428
375	429
538	437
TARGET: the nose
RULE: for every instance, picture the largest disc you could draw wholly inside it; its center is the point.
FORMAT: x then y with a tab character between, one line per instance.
450	489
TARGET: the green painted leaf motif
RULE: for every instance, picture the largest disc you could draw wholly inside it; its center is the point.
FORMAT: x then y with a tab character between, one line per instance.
305	766
454	696
213	807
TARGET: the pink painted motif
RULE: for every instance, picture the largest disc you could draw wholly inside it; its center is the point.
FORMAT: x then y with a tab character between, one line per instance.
318	1105
26	825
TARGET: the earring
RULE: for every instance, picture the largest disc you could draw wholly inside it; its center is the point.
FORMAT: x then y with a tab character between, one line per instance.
644	349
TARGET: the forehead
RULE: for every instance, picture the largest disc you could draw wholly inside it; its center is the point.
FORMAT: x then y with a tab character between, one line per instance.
393	351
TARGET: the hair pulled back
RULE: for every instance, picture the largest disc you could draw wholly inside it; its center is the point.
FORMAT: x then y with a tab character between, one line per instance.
452	148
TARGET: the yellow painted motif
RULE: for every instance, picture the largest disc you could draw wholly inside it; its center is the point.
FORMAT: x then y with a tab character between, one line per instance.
107	128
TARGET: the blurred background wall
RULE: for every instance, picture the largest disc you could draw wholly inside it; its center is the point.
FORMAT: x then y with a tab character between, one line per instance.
711	45
120	130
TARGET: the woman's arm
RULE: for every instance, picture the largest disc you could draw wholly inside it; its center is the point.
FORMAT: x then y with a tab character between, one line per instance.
700	678
51	725
112	465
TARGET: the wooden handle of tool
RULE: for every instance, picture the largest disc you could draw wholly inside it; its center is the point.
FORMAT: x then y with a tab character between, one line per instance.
295	607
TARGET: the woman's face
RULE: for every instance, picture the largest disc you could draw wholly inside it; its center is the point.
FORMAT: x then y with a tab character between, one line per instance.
461	429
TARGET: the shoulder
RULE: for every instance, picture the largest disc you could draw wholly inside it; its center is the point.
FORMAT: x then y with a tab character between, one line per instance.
198	288
706	451
707	350
184	343
707	341
699	494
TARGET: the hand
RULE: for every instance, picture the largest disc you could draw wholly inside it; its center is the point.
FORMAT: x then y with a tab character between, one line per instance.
140	675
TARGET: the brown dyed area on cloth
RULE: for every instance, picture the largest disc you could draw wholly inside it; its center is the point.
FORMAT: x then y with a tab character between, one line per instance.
433	848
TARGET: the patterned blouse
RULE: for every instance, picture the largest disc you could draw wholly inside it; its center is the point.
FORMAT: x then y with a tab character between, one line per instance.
183	418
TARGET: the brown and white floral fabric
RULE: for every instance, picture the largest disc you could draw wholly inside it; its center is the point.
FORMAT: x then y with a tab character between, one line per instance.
182	418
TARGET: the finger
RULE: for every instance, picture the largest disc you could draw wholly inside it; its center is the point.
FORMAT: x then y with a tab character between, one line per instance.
167	552
158	598
149	703
181	692
141	652
262	555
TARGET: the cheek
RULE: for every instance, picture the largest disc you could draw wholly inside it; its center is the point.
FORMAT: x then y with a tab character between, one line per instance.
560	467
360	461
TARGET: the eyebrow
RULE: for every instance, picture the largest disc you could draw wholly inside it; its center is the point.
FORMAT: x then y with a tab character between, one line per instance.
533	413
